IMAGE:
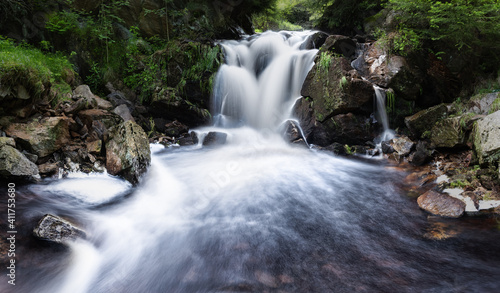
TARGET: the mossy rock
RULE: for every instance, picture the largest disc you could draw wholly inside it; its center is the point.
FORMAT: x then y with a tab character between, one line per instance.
448	133
486	136
426	119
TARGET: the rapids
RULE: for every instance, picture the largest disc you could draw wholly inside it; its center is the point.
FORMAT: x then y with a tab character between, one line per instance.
253	215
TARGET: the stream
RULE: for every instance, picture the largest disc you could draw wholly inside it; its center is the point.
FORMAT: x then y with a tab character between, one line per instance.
253	215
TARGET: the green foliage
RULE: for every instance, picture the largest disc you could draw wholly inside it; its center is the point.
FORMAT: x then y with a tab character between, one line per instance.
391	102
289	15
349	150
459	184
459	27
495	106
30	67
324	62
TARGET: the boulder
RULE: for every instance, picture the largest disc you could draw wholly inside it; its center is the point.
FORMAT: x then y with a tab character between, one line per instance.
448	133
426	119
315	41
42	137
124	112
441	204
347	129
292	131
334	92
103	104
127	151
83	92
97	122
175	128
56	229
215	138
402	145
13	163
340	45
421	155
481	104
486	136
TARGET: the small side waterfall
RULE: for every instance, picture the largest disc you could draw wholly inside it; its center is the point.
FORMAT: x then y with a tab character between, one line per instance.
261	80
381	114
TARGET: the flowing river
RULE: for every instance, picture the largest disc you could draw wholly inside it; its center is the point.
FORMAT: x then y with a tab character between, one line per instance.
253	215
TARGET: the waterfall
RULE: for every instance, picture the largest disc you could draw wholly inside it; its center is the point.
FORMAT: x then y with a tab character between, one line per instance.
381	114
261	80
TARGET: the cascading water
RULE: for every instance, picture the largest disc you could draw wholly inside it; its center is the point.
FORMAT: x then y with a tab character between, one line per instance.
381	113
254	215
261	80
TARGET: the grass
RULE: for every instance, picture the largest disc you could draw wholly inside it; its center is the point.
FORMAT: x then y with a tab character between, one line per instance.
32	68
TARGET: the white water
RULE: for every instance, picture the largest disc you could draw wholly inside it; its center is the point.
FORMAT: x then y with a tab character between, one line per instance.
261	80
381	113
254	215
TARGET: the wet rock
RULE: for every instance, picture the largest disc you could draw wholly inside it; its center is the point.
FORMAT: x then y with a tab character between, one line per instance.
215	138
56	229
402	145
49	169
188	139
315	41
334	92
175	129
304	113
387	147
426	119
441	204
13	163
127	151
292	131
168	104
124	112
97	122
348	129
340	45
42	137
421	155
448	133
266	279
486	136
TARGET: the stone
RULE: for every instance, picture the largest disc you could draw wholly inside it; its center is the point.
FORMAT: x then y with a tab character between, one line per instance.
292	131
402	145
14	164
441	204
22	93
481	104
448	133
347	129
315	41
175	128
42	137
340	45
124	112
83	92
49	168
56	229
7	141
486	136
387	147
421	155
127	151
94	147
214	138
188	139
333	92
103	104
425	120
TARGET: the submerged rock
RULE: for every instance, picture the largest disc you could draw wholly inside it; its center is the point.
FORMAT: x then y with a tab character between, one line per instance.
215	138
441	204
127	151
56	229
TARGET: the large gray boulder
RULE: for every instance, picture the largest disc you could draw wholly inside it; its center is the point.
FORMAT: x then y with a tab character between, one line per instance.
56	229
425	120
127	151
42	137
12	162
486	135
